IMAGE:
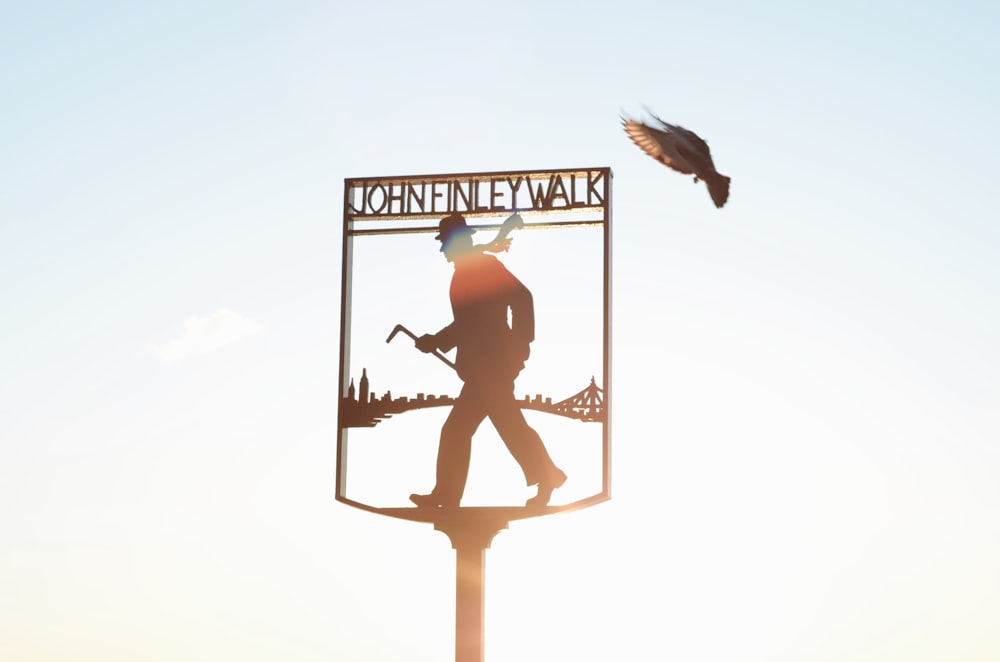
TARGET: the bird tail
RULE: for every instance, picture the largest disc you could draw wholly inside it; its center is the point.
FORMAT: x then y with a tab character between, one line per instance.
718	188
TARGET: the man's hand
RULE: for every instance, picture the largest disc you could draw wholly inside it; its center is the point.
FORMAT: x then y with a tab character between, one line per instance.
427	343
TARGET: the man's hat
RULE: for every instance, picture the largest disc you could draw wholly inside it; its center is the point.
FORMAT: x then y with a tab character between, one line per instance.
452	225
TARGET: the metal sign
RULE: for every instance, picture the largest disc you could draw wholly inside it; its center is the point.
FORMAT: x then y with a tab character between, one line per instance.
475	344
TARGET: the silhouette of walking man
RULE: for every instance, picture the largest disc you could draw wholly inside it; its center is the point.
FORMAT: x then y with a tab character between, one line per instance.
489	356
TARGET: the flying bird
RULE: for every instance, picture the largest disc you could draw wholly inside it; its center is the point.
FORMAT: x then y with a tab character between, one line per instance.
682	150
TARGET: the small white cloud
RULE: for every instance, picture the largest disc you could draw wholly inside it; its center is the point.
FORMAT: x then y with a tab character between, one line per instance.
207	334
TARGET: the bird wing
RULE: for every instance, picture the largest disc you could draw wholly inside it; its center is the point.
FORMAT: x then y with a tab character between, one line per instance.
660	144
692	147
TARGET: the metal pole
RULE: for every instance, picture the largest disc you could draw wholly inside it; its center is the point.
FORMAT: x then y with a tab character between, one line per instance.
470	579
471	535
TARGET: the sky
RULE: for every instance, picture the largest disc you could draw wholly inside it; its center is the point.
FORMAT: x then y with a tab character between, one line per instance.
805	431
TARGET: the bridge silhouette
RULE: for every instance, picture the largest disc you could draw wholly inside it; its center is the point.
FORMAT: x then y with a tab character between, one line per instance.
361	407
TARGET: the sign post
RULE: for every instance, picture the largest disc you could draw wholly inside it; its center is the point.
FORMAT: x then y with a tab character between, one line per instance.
464	361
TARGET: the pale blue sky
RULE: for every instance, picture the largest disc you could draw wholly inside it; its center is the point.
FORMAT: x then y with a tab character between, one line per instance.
805	428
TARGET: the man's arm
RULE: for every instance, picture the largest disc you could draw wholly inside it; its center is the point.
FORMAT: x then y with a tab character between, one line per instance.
443	340
522	314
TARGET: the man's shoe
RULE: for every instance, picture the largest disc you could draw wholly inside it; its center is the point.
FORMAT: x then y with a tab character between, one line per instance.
431	501
545	489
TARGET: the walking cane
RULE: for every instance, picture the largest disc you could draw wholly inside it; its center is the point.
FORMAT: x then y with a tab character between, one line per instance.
400	327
